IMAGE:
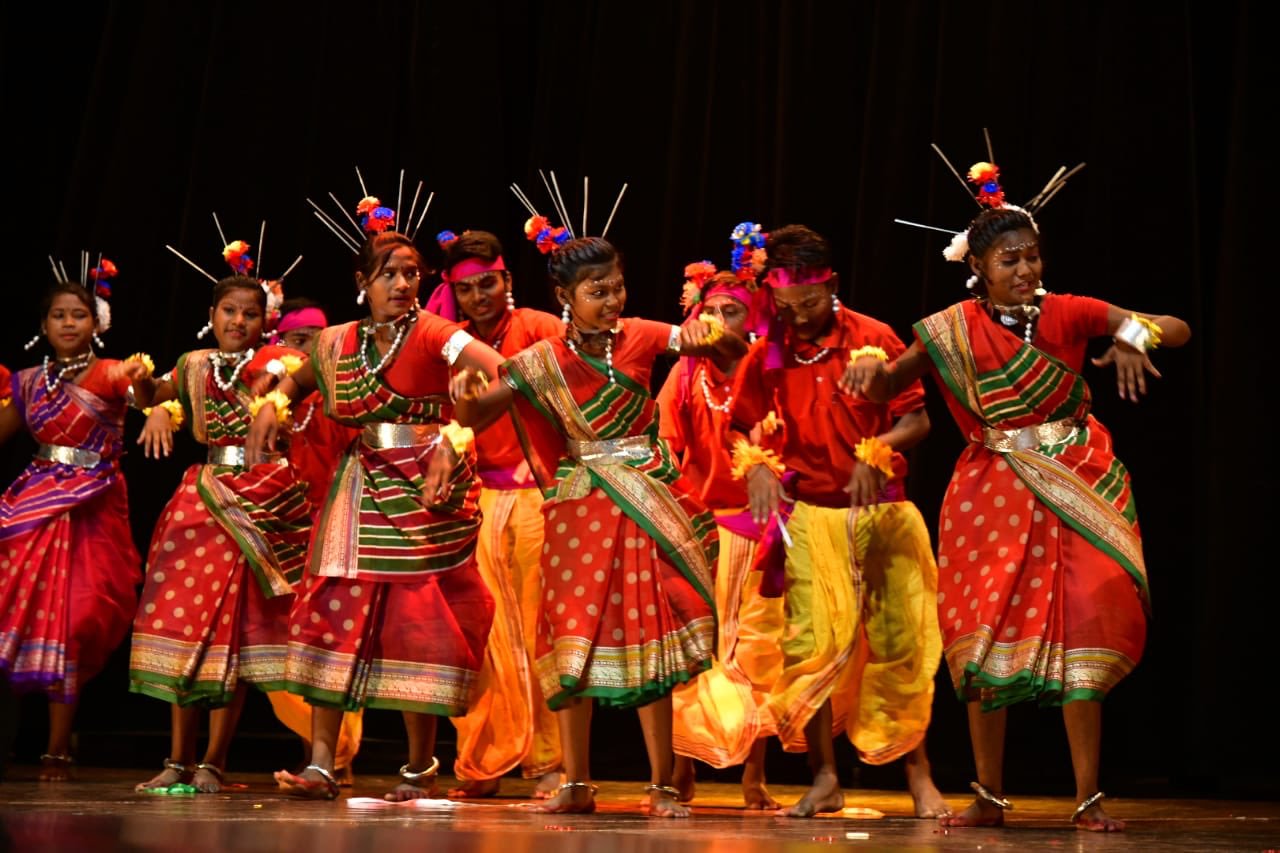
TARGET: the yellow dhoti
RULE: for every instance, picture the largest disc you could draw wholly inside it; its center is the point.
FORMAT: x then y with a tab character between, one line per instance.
720	714
861	627
292	710
508	722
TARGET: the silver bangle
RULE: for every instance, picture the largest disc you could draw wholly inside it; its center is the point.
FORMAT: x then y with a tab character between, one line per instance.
455	345
1134	334
276	368
673	342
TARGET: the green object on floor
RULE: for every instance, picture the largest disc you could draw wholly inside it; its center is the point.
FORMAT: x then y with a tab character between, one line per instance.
177	789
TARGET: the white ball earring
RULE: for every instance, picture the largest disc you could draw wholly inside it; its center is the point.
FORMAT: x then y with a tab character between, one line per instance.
360	297
835	304
511	301
564	315
208	327
31	343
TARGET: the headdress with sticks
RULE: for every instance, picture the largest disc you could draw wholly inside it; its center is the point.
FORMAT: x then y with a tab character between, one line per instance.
236	253
375	218
100	275
542	232
985	176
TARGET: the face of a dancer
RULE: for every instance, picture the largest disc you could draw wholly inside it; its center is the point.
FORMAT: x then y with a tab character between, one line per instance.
393	290
732	312
806	308
483	297
597	298
300	338
237	319
69	325
1011	267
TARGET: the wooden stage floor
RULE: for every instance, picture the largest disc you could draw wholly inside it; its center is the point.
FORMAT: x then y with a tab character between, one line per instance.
101	812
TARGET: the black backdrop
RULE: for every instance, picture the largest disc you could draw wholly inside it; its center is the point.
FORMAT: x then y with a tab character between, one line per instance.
126	123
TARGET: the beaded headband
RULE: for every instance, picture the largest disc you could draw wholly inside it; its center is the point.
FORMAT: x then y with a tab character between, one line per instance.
236	254
540	230
985	176
375	217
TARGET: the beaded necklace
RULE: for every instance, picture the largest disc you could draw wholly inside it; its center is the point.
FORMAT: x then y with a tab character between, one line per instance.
67	368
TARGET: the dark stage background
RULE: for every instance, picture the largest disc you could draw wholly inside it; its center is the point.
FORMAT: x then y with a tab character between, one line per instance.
127	123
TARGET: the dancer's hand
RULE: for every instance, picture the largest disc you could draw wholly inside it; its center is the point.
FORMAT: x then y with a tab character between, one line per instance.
864	485
261	441
866	377
468	384
764	493
435	484
1132	367
157	434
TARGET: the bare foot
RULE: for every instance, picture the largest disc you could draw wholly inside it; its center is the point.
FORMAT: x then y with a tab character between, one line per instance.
756	796
662	804
207	780
405	791
979	813
684	778
570	799
475	790
163	779
55	768
824	797
1095	819
548	785
928	799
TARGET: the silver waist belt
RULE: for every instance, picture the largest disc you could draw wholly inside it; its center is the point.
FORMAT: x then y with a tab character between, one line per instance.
227	454
612	450
1030	437
381	436
77	456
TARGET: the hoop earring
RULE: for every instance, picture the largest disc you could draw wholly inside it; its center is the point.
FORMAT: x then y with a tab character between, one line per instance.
511	301
564	315
360	297
31	343
208	327
835	304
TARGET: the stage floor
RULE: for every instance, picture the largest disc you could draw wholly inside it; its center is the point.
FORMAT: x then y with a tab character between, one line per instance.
101	812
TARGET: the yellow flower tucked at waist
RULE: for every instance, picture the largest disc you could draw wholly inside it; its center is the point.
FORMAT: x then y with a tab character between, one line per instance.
715	327
176	414
868	352
746	456
458	436
275	398
874	452
145	360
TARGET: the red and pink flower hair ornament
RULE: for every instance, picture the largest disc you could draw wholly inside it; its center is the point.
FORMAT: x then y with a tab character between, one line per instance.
540	230
375	217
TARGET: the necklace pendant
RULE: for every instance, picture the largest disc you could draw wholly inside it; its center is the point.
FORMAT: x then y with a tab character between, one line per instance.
1008	319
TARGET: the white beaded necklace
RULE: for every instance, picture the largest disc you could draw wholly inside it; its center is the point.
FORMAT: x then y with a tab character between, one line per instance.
300	426
816	358
1030	313
65	368
368	329
237	360
706	394
608	350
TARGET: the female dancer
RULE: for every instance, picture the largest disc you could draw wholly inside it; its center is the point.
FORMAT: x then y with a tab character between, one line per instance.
1042	584
68	567
394	614
627	604
227	550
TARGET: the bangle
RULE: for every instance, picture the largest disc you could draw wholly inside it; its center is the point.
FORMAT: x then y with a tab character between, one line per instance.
715	328
868	352
875	453
144	360
458	436
275	398
747	456
1139	332
176	414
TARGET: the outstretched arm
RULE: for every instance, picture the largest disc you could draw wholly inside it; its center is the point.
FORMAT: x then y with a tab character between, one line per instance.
479	398
1135	338
879	382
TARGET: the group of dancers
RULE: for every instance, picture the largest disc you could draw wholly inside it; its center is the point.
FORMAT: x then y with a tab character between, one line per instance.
478	510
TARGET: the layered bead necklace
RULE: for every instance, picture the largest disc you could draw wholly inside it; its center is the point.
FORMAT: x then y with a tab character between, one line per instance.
63	369
706	395
1012	315
370	328
235	360
299	426
608	349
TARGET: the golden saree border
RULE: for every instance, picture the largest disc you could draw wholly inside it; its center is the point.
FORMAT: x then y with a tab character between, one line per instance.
224	505
334	551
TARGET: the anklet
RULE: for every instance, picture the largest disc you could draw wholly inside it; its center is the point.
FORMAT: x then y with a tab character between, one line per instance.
413	777
176	767
673	793
986	796
326	776
587	785
212	768
1088	803
62	758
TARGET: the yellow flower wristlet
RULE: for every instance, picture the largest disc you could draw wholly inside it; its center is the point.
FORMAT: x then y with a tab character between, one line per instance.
275	398
747	456
145	361
875	453
865	352
176	414
715	327
458	436
1139	332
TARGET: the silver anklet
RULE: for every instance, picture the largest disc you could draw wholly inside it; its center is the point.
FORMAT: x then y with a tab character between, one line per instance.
673	793
412	777
326	776
1089	802
176	767
987	797
592	788
214	769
